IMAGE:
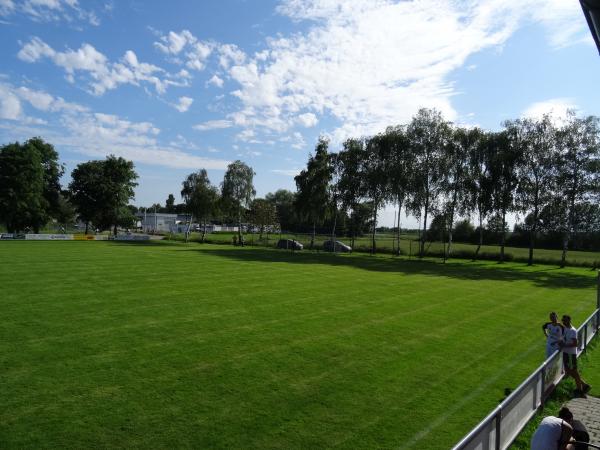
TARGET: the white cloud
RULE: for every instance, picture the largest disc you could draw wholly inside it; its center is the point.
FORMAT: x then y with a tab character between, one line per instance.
184	104
307	120
93	133
173	43
6	7
10	106
231	54
103	74
556	107
196	51
374	64
45	102
49	10
246	135
97	134
562	20
213	125
215	81
287	172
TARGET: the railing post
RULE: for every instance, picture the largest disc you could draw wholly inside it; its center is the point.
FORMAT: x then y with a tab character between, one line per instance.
498	426
542	397
598	291
585	337
535	392
598	302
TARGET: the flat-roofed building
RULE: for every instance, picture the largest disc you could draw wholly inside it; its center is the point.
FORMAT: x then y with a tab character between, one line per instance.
157	222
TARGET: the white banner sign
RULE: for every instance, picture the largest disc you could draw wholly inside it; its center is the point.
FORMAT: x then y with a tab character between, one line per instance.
132	237
49	237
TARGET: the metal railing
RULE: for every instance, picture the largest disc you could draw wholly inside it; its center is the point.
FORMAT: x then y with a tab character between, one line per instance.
502	426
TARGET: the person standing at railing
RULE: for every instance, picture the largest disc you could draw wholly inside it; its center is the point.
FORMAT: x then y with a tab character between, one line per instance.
569	349
554	332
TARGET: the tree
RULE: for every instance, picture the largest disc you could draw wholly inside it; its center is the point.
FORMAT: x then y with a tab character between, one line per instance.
157	208
578	171
53	171
238	190
375	176
118	183
463	230
201	198
456	174
506	156
262	214
170	204
312	198
283	201
21	187
536	172
438	228
479	182
428	134
101	191
34	158
350	182
362	220
66	213
400	165
85	191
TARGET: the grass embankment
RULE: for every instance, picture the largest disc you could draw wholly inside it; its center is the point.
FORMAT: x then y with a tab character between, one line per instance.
165	345
409	246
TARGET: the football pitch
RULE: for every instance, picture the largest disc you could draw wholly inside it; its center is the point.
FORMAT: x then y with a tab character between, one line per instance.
167	345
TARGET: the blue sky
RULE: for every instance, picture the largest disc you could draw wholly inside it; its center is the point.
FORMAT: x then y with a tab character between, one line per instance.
182	85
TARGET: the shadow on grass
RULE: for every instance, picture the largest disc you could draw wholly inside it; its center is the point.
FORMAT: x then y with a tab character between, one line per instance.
151	243
548	277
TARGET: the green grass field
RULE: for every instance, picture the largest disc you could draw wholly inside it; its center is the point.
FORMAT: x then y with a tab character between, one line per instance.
166	345
409	246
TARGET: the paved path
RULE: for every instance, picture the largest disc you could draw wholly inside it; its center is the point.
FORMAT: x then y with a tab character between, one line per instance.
587	410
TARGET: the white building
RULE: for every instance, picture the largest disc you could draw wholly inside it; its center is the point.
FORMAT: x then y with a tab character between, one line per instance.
157	222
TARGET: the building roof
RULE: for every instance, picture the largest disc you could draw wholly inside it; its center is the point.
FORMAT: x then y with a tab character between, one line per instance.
152	214
591	10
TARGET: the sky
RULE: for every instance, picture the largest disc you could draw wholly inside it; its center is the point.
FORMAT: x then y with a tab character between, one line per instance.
182	85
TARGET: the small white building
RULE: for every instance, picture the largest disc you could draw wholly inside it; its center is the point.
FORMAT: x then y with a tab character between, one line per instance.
157	222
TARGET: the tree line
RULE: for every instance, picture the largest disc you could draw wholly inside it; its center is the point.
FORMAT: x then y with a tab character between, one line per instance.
548	174
545	172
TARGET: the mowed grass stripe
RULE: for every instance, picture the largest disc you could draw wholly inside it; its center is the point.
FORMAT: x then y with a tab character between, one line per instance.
189	346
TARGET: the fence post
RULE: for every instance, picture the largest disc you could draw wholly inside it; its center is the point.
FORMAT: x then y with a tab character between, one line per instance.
598	303
498	425
585	337
542	394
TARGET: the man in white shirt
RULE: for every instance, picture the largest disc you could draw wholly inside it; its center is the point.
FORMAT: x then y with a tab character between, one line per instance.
553	331
553	433
569	349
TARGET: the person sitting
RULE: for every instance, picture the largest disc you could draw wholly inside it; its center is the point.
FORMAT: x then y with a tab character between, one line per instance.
554	433
580	433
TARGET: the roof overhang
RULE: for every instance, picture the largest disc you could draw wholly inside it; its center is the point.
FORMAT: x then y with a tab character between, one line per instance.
591	9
